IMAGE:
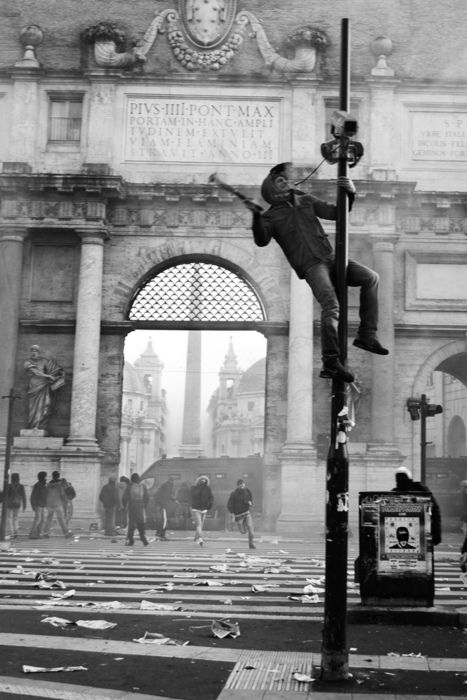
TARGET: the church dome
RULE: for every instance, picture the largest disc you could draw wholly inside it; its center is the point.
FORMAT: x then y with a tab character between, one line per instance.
252	380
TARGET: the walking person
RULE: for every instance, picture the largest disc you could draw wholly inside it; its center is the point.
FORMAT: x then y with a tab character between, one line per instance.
136	497
110	499
202	500
292	220
69	494
239	504
15	498
121	515
56	505
162	499
38	500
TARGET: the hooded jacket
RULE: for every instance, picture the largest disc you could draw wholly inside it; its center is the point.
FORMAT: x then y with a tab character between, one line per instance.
293	223
406	483
201	494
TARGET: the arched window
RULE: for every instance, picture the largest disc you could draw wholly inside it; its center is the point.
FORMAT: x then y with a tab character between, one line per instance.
456	438
196	291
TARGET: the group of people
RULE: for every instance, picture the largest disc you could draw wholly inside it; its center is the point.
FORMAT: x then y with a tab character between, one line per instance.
125	505
48	499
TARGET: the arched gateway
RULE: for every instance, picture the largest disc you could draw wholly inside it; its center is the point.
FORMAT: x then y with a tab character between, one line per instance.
206	292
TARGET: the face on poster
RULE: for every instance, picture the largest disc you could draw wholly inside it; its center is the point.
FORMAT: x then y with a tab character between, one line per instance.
402	544
402	534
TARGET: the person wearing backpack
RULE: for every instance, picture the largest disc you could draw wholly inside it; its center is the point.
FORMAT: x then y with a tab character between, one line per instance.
136	497
15	498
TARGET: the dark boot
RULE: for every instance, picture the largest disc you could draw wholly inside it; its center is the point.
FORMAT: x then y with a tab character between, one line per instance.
370	345
334	369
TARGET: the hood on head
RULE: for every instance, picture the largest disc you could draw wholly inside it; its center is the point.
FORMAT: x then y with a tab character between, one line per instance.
403	472
268	189
201	478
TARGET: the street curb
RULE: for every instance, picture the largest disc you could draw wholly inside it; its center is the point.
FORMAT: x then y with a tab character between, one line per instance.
435	616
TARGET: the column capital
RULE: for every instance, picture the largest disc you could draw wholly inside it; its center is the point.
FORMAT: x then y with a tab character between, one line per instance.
95	235
384	243
12	232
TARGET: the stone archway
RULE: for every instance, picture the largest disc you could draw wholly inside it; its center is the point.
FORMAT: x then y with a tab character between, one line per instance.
445	359
205	292
451	359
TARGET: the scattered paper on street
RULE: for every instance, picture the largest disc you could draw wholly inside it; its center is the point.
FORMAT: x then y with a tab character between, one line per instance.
148	605
96	624
53	669
49	584
156	638
304	598
261	588
88	624
58	621
67	594
225	628
303	677
309	589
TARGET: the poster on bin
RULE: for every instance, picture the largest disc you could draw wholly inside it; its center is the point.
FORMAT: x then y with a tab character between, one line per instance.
402	541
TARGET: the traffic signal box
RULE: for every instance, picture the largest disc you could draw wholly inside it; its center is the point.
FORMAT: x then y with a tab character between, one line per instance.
395	562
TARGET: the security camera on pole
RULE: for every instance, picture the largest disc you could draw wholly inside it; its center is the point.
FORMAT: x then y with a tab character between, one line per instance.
346	153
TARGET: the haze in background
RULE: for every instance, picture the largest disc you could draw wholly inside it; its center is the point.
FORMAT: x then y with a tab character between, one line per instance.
171	347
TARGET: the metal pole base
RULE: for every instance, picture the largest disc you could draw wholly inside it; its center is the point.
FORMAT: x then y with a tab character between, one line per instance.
334	666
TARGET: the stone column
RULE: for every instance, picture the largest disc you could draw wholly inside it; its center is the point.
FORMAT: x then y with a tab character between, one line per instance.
11	277
383	376
87	340
274	422
300	366
299	463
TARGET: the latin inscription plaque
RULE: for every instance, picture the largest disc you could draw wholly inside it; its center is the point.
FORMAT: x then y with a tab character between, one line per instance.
439	135
203	130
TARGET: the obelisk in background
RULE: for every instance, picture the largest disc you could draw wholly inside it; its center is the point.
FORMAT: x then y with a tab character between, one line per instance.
191	432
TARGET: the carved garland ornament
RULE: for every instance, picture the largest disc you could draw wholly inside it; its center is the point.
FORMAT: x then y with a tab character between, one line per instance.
204	36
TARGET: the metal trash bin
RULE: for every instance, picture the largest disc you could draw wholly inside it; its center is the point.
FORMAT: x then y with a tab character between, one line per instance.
395	566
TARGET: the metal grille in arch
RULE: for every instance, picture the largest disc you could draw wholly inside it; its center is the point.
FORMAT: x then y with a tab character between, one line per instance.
196	291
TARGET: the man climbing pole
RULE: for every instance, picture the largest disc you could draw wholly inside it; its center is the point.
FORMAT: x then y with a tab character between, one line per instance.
293	221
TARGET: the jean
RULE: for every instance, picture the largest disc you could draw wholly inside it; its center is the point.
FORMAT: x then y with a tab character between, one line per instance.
58	511
320	277
13	522
199	517
245	524
68	512
38	522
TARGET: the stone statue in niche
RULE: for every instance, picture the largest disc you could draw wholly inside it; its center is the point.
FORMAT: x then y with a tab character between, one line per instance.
45	378
204	36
